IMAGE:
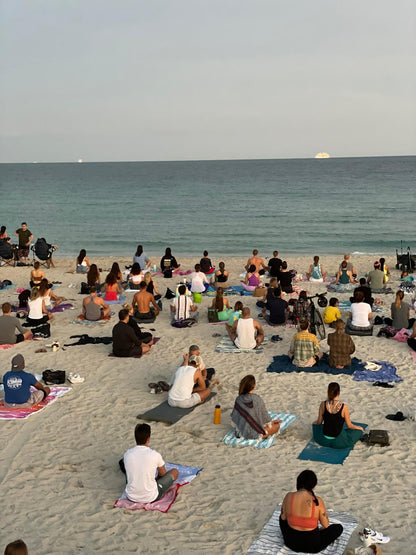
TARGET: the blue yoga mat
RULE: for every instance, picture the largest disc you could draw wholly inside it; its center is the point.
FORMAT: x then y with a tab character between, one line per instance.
317	453
282	364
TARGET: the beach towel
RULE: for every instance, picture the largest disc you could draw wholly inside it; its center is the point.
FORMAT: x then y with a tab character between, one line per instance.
186	475
386	373
18	414
227	346
271	541
344	305
7	346
231	439
120	300
212	292
170	415
61	307
239	290
89	322
282	364
8	287
318	453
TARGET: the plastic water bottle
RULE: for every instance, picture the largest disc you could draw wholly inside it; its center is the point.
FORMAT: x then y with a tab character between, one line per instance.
217	414
154	267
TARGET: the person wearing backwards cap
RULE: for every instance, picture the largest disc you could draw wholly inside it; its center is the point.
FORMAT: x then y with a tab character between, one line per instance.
17	393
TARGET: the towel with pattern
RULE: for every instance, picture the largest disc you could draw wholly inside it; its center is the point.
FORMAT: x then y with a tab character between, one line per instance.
18	414
231	439
227	346
186	475
271	541
385	372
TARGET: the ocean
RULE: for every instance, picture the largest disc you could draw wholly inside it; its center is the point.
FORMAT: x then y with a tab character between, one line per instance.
295	206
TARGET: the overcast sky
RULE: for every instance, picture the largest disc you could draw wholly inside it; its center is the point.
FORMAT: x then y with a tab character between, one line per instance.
189	79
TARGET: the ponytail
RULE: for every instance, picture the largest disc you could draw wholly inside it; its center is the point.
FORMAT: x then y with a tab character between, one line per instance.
399	298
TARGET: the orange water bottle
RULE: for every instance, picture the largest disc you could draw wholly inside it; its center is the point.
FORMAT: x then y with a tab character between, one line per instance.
217	414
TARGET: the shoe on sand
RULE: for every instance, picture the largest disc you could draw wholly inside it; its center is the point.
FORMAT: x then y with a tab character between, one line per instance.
374	536
75	378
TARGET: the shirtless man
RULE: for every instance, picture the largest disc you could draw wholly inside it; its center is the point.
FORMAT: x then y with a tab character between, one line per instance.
143	299
257	262
246	333
94	308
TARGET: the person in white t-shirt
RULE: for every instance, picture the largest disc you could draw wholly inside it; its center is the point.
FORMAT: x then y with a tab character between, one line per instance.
246	333
360	312
182	306
141	464
198	279
189	387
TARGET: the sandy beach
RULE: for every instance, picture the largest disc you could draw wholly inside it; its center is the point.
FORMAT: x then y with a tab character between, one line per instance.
59	474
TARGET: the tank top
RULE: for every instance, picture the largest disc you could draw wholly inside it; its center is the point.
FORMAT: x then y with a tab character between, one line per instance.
333	423
301	521
35	309
253	280
344	277
183	384
111	293
93	311
316	272
221	278
245	334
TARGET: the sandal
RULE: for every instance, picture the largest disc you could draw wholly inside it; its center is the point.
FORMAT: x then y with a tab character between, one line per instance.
383	384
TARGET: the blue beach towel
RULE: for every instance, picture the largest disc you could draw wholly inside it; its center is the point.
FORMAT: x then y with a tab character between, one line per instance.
282	364
239	290
231	439
317	453
386	374
119	301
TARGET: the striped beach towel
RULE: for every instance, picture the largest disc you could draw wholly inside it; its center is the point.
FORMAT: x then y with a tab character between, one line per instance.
19	414
227	346
231	439
271	541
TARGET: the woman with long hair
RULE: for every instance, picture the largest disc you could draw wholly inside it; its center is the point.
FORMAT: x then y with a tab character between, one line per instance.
82	264
329	429
221	305
151	286
115	269
221	277
37	311
400	312
48	295
93	276
385	269
250	417
302	512
111	288
252	279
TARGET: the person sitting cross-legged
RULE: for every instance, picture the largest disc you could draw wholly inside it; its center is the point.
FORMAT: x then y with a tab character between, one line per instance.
125	340
94	308
189	387
8	326
17	383
182	306
143	299
341	346
304	349
246	333
147	477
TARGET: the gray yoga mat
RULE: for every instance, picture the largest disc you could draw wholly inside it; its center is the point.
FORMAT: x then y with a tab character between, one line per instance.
166	413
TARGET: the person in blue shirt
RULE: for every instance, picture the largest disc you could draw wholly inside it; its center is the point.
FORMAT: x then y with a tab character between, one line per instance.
17	392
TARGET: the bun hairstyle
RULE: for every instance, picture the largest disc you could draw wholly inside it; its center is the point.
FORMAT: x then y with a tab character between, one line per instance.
307	480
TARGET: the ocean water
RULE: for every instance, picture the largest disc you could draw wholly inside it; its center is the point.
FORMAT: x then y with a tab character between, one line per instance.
296	206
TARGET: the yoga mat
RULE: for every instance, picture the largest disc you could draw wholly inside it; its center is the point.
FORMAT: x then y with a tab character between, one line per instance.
227	346
239	290
19	414
61	307
282	364
166	413
317	453
231	439
271	541
119	301
186	475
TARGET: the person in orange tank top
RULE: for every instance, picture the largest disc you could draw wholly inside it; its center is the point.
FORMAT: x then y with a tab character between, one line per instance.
302	512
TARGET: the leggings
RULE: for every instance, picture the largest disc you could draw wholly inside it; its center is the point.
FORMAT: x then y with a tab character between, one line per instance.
312	541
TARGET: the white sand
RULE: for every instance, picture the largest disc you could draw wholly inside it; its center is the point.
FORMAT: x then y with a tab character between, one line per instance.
59	469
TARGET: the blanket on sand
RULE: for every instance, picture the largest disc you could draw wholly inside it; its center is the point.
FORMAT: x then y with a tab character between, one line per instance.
271	541
231	439
318	453
18	414
170	415
227	346
385	373
282	364
186	475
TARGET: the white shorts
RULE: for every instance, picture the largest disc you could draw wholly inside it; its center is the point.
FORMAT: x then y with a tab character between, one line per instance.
193	400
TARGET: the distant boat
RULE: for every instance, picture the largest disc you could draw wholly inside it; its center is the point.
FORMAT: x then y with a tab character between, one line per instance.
80	160
322	155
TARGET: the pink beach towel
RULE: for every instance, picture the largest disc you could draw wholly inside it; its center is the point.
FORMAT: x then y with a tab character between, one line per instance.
19	414
186	475
7	346
402	336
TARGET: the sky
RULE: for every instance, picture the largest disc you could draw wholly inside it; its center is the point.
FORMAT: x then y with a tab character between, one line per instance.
192	79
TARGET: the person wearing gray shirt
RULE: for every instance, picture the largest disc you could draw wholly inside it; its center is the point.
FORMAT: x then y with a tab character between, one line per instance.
8	326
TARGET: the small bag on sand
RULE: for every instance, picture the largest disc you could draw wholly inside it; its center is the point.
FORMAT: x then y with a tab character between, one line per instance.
259	291
376	437
53	377
212	315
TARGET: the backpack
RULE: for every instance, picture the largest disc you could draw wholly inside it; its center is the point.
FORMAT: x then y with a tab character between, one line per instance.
184	323
23	298
85	288
54	377
376	437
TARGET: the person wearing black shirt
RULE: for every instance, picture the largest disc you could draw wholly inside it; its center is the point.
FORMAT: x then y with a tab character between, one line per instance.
125	340
275	264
